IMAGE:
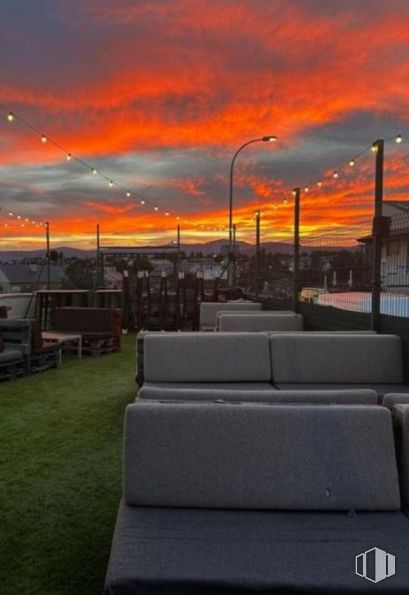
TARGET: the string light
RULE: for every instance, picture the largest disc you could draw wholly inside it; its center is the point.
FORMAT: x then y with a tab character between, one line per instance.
70	156
374	148
306	189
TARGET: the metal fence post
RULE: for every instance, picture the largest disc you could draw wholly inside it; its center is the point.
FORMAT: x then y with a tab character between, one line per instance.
296	273
377	236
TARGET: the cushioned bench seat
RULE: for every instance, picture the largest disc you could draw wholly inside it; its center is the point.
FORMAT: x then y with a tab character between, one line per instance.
219	552
254	499
260	395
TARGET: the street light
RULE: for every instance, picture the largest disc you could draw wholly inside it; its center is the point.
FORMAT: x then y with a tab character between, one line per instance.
265	139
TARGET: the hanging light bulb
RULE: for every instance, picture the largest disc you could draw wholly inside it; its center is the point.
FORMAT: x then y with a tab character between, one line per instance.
352	162
94	171
142	202
11	214
156	208
399	139
167	214
68	157
374	148
128	194
306	189
319	183
10	117
44	139
111	183
335	174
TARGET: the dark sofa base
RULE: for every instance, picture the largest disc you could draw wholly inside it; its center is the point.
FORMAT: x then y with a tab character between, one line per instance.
166	551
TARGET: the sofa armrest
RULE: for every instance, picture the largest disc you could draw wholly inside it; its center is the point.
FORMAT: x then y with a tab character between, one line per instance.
400	414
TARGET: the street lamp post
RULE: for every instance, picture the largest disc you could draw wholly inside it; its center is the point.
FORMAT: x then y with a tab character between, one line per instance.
270	138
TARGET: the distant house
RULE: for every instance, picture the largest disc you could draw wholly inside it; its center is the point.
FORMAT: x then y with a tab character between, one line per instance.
209	267
395	248
20	278
161	265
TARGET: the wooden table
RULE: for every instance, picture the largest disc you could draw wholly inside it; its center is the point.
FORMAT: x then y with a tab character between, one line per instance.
63	338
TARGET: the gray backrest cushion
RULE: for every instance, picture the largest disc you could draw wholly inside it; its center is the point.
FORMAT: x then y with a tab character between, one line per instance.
336	358
208	310
339	397
279	322
252	456
207	357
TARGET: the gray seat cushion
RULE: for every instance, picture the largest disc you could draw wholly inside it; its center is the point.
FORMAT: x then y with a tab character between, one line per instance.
380	389
149	387
336	359
213	552
346	397
254	456
10	356
207	357
271	322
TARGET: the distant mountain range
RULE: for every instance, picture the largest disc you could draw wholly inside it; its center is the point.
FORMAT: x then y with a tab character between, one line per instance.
215	246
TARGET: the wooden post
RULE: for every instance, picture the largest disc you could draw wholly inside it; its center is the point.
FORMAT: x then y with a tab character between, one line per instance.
296	272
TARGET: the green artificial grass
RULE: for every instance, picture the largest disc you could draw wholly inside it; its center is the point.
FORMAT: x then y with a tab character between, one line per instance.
60	473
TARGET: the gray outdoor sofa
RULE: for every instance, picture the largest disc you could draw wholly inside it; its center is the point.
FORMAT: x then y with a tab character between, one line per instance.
220	364
209	310
223	499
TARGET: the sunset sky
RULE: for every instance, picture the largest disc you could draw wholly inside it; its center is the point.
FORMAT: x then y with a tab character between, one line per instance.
157	95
